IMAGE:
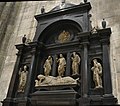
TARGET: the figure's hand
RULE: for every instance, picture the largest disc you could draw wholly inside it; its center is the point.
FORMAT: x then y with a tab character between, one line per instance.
100	72
72	58
92	68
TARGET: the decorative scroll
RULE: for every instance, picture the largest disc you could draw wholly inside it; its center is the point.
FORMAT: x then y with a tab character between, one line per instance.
97	73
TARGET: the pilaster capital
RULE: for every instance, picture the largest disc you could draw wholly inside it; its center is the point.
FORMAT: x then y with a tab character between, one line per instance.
84	37
36	46
104	35
20	48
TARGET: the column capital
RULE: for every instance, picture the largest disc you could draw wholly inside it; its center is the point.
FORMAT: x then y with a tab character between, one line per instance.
104	35
20	48
84	37
36	46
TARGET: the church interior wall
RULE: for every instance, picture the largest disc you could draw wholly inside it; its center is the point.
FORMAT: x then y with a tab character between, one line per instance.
17	19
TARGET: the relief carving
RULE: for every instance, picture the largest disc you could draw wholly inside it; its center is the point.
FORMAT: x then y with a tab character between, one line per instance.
64	36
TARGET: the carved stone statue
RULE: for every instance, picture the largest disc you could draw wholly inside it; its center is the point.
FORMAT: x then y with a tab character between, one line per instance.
75	63
85	1
42	10
97	73
24	39
50	80
103	23
47	66
22	79
61	65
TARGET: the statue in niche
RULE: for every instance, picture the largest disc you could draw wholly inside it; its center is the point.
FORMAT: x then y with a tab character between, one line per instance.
97	73
61	65
50	80
64	36
75	63
48	66
22	78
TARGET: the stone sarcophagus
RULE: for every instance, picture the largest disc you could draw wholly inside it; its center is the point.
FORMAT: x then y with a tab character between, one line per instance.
67	64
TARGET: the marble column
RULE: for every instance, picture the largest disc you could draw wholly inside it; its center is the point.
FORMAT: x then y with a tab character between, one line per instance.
108	97
84	71
84	41
54	66
35	46
68	66
12	87
105	40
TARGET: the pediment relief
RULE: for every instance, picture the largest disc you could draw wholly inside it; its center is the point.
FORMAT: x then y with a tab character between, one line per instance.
60	32
64	36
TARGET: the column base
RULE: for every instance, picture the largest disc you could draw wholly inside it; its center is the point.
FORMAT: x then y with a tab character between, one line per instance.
16	102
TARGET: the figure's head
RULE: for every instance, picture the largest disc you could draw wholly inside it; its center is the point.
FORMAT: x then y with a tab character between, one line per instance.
95	60
25	67
61	55
49	57
74	53
41	77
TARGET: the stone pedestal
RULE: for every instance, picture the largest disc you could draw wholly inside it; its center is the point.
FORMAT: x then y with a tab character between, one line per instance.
54	98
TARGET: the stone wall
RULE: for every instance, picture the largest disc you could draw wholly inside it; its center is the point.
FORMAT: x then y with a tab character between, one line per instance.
17	19
9	11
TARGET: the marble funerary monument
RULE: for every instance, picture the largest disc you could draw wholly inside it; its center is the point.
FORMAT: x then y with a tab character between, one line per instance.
67	64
